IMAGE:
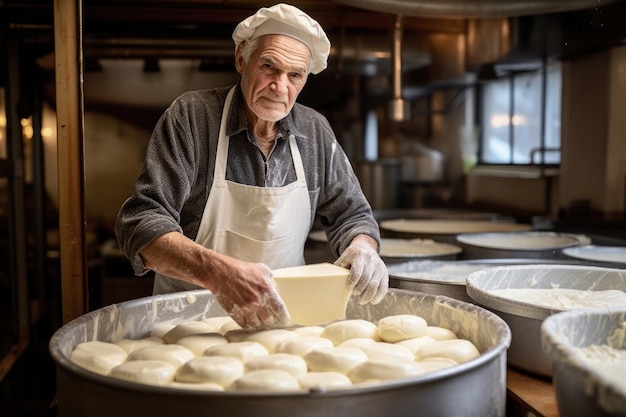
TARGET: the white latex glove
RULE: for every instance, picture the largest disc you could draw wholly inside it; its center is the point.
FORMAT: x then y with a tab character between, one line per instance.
251	298
369	278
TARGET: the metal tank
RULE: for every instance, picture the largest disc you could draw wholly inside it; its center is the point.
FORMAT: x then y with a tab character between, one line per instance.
526	318
475	388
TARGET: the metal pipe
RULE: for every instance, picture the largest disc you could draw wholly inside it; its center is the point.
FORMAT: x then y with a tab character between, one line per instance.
398	108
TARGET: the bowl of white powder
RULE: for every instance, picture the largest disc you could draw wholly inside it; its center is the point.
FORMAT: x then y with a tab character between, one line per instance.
588	353
525	295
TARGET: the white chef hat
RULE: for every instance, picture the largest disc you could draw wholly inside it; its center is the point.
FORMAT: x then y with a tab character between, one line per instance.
284	19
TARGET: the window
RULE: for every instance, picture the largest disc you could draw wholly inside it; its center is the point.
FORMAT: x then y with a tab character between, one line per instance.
520	125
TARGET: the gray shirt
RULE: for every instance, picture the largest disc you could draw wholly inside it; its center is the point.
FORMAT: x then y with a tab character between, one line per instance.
172	189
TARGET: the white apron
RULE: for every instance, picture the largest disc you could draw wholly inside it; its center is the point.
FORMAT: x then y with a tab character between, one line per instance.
249	223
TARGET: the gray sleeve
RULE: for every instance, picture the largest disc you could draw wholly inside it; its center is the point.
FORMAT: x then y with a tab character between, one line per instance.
162	188
341	206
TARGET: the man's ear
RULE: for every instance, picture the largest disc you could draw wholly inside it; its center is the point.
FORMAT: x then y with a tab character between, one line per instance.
239	58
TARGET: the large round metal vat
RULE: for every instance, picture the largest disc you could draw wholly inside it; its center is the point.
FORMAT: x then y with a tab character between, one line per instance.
525	318
475	388
448	277
583	388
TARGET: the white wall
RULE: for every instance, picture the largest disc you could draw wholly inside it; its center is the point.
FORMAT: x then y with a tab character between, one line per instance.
594	131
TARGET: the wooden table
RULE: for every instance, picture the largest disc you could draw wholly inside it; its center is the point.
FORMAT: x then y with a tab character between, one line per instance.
527	393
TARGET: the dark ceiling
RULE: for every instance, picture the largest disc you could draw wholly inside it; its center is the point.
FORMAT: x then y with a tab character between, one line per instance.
108	24
201	29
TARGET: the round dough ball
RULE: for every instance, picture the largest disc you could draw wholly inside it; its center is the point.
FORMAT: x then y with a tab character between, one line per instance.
414	344
229	326
335	359
270	338
340	331
459	350
99	357
130	345
304	331
358	342
176	355
302	345
387	351
161	329
440	333
293	364
374	370
435	364
274	380
240	350
198	343
153	372
218	322
200	386
401	327
238	335
320	381
187	329
219	370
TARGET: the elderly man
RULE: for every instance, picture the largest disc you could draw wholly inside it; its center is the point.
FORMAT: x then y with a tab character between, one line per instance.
234	177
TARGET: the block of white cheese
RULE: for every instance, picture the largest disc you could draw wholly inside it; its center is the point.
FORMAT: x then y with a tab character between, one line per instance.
314	294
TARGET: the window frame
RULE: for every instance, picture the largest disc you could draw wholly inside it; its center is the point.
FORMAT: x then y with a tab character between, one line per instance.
538	154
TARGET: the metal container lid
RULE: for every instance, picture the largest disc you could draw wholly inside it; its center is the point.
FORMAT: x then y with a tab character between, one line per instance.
530	241
449	226
614	254
415	248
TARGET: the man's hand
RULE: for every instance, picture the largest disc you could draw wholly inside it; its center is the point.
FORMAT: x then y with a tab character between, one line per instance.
250	297
245	290
369	278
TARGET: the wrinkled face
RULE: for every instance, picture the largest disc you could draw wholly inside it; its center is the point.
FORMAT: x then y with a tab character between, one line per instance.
274	75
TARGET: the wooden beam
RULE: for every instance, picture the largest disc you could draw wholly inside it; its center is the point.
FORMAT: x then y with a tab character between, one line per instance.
70	155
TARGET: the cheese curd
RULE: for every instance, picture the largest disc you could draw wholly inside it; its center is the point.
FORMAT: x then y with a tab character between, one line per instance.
374	370
293	364
187	329
199	343
202	355
220	370
150	371
401	327
324	381
176	355
340	331
302	345
387	351
270	338
459	350
266	380
240	350
335	359
130	345
98	357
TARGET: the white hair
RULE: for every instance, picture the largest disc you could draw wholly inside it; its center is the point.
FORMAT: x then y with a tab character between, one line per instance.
249	46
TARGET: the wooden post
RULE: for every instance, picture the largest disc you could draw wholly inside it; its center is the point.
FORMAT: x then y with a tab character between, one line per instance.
70	134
